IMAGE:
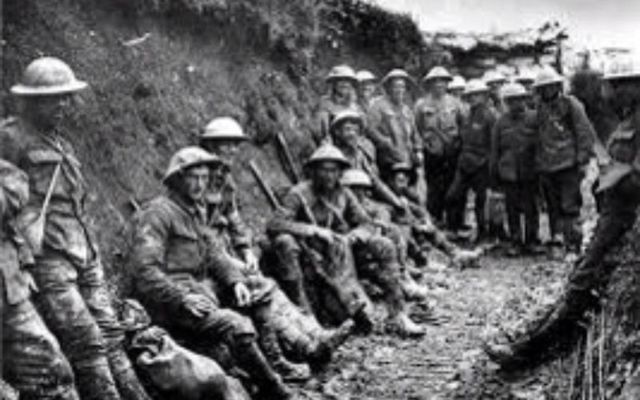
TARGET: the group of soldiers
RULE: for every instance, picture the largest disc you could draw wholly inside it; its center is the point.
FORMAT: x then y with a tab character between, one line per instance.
359	226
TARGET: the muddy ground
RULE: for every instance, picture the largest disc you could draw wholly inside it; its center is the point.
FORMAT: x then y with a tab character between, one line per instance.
448	363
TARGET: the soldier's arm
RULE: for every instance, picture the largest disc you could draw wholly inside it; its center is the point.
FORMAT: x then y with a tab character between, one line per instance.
285	218
225	269
149	242
585	133
355	214
495	150
238	230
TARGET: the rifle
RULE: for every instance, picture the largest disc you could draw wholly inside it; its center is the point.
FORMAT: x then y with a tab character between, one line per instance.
288	159
273	200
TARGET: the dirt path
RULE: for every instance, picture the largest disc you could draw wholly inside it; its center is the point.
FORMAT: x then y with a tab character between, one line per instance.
471	303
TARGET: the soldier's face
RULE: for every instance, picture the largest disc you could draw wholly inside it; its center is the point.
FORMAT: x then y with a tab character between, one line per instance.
367	89
361	192
456	92
516	105
48	111
343	88
398	90
196	181
400	181
439	86
328	175
549	92
622	95
219	175
348	134
476	99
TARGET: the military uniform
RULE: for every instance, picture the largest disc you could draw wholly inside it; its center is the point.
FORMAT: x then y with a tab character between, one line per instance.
327	111
472	171
590	273
342	213
31	358
393	131
73	296
438	122
513	167
565	143
175	254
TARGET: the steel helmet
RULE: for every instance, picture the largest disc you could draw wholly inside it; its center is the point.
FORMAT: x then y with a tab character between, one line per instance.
437	72
47	76
493	76
223	128
188	157
328	152
475	86
406	168
365	76
624	69
356	177
342	72
398	73
513	90
525	75
457	82
346	115
548	76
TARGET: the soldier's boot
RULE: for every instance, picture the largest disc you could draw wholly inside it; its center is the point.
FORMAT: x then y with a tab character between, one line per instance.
412	289
126	379
403	326
94	380
463	258
289	371
328	341
363	321
253	361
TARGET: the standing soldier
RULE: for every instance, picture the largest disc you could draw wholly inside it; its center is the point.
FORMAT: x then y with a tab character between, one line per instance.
324	217
342	82
176	265
456	87
30	356
438	118
526	78
495	80
73	296
565	145
367	85
391	123
619	191
472	171
513	166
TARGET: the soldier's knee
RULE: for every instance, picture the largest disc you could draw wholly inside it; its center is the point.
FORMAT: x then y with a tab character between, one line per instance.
238	325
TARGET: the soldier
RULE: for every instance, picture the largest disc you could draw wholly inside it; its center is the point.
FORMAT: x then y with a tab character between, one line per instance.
472	170
619	191
495	80
565	145
176	265
391	123
342	82
418	225
322	216
367	85
438	118
526	78
73	297
312	343
30	357
513	166
457	86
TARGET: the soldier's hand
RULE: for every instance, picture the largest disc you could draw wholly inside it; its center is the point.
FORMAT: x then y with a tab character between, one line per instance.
251	261
197	304
242	293
324	234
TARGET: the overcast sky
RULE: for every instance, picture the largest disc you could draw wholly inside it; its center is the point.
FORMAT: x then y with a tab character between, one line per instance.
591	22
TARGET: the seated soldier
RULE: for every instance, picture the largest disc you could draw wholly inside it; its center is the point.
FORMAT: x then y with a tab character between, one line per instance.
174	271
324	218
361	185
276	314
419	228
30	357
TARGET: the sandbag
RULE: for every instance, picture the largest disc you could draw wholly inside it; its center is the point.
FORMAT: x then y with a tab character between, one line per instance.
179	373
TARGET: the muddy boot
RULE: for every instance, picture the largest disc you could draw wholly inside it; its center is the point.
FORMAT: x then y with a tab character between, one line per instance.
126	379
412	289
328	342
251	360
403	326
363	321
294	289
289	371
